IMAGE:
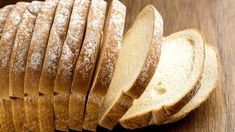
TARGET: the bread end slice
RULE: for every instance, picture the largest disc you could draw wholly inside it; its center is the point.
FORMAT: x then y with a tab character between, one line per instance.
137	61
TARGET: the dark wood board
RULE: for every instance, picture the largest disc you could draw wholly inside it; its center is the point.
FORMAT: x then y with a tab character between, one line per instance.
216	18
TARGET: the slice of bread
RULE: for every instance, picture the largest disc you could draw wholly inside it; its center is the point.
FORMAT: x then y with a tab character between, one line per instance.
86	63
18	62
68	59
137	61
4	12
174	83
54	47
51	61
38	47
20	51
34	65
209	81
7	44
112	39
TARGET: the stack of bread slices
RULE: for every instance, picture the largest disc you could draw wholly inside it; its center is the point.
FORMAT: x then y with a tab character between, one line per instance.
66	65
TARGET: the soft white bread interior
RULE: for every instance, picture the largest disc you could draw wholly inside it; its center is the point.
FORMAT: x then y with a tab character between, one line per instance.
137	61
174	83
209	81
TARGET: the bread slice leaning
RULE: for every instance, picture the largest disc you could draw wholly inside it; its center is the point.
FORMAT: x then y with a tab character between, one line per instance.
137	61
209	81
86	63
112	39
18	62
4	12
174	83
6	47
68	59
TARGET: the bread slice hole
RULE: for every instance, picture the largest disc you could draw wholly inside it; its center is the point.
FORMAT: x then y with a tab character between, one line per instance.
161	90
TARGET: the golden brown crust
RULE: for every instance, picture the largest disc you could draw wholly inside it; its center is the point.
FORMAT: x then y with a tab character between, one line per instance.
6	119
111	117
76	107
18	114
38	46
53	51
31	112
4	12
20	51
7	44
46	113
71	47
86	62
61	107
104	71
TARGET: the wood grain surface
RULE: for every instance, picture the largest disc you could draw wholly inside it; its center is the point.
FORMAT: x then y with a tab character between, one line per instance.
216	18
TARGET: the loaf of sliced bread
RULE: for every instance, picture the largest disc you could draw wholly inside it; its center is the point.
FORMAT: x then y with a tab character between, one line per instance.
86	63
112	39
4	12
18	62
174	83
68	59
137	61
209	81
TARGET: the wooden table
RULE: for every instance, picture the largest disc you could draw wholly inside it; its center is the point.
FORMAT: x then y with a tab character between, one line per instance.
216	18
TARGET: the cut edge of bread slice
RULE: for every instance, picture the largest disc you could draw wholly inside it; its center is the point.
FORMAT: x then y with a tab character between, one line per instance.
112	39
183	54
86	63
137	61
211	73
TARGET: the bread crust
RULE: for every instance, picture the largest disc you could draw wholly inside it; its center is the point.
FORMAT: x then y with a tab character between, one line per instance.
111	44
86	63
46	113
158	116
4	12
53	51
38	47
111	117
20	51
7	44
71	47
69	55
6	119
